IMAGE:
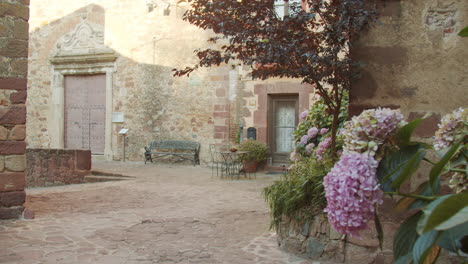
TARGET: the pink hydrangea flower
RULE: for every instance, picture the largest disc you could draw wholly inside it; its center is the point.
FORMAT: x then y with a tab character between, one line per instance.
451	126
352	191
364	133
303	115
309	148
322	147
293	156
323	131
312	132
304	139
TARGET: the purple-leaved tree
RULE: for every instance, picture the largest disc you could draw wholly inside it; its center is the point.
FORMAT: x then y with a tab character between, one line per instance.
311	42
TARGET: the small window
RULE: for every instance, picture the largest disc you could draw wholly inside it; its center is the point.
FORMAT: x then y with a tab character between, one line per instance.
283	7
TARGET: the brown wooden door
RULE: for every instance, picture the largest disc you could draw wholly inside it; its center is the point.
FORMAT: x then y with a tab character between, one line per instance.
85	109
282	123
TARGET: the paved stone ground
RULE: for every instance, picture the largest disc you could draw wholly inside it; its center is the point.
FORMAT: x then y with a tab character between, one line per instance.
166	214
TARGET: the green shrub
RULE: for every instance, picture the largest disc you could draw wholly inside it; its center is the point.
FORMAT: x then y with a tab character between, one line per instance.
257	151
318	116
299	194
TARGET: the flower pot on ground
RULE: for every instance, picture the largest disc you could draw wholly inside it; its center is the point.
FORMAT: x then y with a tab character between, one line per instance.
256	153
250	166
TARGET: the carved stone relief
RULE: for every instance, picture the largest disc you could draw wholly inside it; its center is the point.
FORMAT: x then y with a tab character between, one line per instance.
85	39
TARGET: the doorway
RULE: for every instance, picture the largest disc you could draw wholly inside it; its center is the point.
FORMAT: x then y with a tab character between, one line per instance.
282	123
85	112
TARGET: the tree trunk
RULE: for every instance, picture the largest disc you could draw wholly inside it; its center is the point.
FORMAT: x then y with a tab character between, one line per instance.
334	131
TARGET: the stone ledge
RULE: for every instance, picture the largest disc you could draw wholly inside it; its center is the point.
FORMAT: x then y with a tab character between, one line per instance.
11	212
83	58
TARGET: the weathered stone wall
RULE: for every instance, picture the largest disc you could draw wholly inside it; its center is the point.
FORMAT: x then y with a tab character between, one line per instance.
148	45
414	60
317	240
50	167
14	15
255	101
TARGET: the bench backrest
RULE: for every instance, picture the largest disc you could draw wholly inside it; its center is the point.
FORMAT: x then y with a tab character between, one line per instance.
175	144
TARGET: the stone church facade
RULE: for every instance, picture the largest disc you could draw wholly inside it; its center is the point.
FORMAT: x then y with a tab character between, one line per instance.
96	67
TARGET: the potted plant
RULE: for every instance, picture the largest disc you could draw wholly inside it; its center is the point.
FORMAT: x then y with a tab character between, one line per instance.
256	153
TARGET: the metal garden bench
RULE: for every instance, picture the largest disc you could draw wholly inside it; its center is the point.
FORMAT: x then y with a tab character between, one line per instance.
187	150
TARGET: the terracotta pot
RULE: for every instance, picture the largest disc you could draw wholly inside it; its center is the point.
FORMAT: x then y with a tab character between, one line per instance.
250	166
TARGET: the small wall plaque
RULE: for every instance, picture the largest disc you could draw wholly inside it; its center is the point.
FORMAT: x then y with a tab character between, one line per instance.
117	117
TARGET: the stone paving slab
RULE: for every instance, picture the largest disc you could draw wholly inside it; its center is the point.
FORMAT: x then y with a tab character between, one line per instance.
165	214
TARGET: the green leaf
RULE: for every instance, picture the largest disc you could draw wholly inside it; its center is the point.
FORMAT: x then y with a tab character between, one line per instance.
405	237
423	246
441	210
397	167
459	218
439	166
378	227
427	191
408	169
450	238
406	259
404	134
463	33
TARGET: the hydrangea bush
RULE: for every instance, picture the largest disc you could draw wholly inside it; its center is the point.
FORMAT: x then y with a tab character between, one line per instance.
351	187
379	157
313	134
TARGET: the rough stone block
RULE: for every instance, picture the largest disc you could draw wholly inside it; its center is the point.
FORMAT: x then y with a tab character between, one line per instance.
220	114
334	234
15	163
314	247
364	87
21	29
221	92
384	56
17	133
390	8
18	97
8	199
260	89
19	67
13	48
16	10
13	83
368	238
12	181
28	214
83	160
221	129
13	115
11	212
12	147
3	133
219	135
2	163
428	127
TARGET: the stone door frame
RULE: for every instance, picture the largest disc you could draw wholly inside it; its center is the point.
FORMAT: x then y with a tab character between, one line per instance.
80	65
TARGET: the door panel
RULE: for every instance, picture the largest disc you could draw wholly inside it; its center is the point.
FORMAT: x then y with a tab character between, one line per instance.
97	130
74	128
282	122
85	100
285	123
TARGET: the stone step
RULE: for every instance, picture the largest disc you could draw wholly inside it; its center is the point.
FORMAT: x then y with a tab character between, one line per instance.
101	178
103	173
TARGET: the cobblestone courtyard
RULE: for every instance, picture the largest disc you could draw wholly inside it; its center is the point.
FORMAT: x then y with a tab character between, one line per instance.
163	214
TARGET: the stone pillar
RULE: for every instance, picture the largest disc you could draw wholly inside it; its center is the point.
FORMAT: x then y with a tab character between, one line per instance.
14	15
